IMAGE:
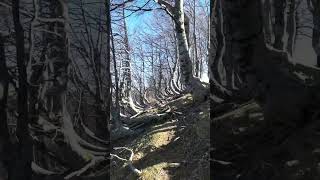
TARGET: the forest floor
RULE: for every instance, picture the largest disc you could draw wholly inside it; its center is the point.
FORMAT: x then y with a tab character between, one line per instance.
177	147
244	148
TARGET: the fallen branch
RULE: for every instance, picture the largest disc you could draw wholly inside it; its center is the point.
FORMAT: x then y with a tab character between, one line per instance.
148	119
225	163
239	112
127	161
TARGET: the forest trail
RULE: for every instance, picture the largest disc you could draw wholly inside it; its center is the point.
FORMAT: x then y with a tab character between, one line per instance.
245	147
176	147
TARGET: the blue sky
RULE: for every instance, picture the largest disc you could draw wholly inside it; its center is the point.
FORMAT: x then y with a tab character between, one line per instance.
137	20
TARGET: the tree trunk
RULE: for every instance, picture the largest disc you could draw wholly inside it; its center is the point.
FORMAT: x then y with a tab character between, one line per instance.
269	73
160	75
316	31
108	60
214	60
267	20
196	58
116	116
239	33
183	47
4	85
24	151
279	24
125	65
291	26
100	113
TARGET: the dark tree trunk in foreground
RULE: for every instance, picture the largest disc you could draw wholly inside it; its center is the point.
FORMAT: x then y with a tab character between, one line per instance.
108	60
291	26
269	75
24	151
314	6
4	85
267	20
279	10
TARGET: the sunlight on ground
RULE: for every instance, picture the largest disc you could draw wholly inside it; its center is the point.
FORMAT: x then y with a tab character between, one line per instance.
161	150
155	139
161	138
155	172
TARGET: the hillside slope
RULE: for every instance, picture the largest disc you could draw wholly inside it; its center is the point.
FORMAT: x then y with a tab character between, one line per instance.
175	147
245	147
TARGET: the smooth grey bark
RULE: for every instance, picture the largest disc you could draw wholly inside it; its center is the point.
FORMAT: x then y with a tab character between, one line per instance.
183	47
181	22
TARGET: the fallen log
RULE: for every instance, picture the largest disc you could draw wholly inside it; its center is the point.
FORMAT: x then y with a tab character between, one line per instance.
148	119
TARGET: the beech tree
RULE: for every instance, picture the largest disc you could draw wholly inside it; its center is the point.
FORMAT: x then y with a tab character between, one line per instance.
268	72
182	34
23	158
314	7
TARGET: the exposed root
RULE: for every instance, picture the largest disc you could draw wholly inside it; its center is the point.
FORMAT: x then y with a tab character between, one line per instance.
81	171
39	170
91	134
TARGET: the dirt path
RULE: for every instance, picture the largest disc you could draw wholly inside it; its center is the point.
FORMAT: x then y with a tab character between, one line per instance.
174	149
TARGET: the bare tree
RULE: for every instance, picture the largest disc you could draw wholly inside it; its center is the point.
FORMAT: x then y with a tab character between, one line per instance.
268	72
4	87
24	151
314	7
182	34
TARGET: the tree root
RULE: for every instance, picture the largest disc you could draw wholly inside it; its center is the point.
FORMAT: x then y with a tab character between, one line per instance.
91	164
